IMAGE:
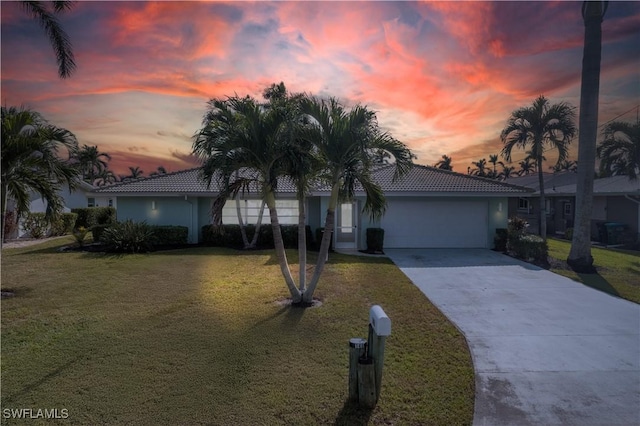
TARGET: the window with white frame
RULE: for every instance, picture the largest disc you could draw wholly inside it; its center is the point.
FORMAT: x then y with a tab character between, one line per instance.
250	210
91	202
523	204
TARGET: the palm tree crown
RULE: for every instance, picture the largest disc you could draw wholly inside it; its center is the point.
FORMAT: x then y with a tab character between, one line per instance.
619	152
91	162
444	163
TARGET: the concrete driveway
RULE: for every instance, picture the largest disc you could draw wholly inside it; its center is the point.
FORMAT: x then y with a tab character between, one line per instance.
546	350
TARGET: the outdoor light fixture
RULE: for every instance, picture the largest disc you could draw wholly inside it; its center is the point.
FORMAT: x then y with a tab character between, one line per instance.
500	206
153	205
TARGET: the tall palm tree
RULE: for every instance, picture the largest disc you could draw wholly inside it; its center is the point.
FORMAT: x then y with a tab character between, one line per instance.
32	162
542	125
493	159
91	162
346	142
480	168
527	167
580	258
105	177
506	172
444	163
46	15
565	166
239	134
135	172
619	152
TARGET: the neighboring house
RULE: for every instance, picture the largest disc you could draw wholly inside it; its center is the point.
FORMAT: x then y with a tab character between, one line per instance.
615	199
429	207
79	198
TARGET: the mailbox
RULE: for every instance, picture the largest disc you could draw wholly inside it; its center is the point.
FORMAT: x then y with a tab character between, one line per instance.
379	321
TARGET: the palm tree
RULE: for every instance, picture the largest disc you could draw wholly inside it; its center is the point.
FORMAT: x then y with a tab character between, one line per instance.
480	168
105	177
32	163
136	173
527	166
619	152
580	258
46	17
346	142
91	162
444	163
493	159
239	134
565	166
159	171
507	172
538	126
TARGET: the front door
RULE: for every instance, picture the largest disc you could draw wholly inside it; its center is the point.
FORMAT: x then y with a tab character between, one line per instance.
346	230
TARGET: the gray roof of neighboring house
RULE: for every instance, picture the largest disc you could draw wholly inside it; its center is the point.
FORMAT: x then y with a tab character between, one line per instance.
420	179
566	184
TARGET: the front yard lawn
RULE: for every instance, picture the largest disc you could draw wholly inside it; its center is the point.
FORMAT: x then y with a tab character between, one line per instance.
618	271
196	336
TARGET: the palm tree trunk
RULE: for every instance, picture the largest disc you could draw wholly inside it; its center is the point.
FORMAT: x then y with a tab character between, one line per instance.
5	200
281	254
324	245
243	230
543	210
580	258
256	234
302	244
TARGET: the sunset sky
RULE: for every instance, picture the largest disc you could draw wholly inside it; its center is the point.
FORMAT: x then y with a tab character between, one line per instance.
443	77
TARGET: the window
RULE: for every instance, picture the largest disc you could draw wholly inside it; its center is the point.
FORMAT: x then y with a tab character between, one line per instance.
91	202
250	209
110	202
523	204
568	210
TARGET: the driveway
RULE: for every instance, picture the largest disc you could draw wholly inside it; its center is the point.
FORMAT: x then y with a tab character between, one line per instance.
546	350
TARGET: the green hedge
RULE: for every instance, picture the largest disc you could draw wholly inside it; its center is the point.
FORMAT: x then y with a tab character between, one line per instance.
169	235
529	248
231	237
92	216
35	225
128	237
64	224
97	231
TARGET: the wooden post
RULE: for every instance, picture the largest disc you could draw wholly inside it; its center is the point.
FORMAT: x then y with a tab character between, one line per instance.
366	383
356	350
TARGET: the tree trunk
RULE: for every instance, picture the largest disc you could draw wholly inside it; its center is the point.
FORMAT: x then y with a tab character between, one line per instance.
281	254
243	230
324	246
302	244
5	200
254	240
580	258
542	227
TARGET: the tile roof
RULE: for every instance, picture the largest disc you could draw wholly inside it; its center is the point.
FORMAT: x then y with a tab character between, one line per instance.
566	184
420	179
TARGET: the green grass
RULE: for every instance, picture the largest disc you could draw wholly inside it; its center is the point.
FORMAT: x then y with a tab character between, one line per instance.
618	270
195	337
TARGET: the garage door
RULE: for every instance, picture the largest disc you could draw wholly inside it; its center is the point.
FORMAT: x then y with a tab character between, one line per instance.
436	224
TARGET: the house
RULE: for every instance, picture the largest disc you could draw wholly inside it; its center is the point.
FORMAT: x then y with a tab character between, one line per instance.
428	207
615	199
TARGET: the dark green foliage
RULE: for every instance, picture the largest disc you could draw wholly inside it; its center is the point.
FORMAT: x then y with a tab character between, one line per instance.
35	224
97	231
568	234
169	235
517	227
64	224
92	216
128	237
500	239
375	240
529	248
230	236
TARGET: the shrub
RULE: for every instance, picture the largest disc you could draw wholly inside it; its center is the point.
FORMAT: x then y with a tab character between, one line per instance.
517	227
64	224
230	236
35	225
91	216
500	239
97	231
80	234
128	237
375	240
170	235
529	248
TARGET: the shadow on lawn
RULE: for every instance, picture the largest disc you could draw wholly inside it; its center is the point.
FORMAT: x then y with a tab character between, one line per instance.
37	383
597	282
353	414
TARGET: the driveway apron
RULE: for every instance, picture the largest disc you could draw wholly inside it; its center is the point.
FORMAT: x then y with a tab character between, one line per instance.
546	350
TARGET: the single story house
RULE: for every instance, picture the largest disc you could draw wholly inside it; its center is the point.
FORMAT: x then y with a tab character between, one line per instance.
615	199
428	207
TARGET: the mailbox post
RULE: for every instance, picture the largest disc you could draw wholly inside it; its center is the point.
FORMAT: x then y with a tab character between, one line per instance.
366	359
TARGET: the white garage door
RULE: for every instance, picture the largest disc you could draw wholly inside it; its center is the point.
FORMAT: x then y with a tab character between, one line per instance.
437	224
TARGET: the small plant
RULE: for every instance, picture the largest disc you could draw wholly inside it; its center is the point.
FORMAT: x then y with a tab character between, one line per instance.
128	237
80	234
529	248
517	227
36	225
500	239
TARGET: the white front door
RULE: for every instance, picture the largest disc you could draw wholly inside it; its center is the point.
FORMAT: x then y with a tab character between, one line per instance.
346	235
